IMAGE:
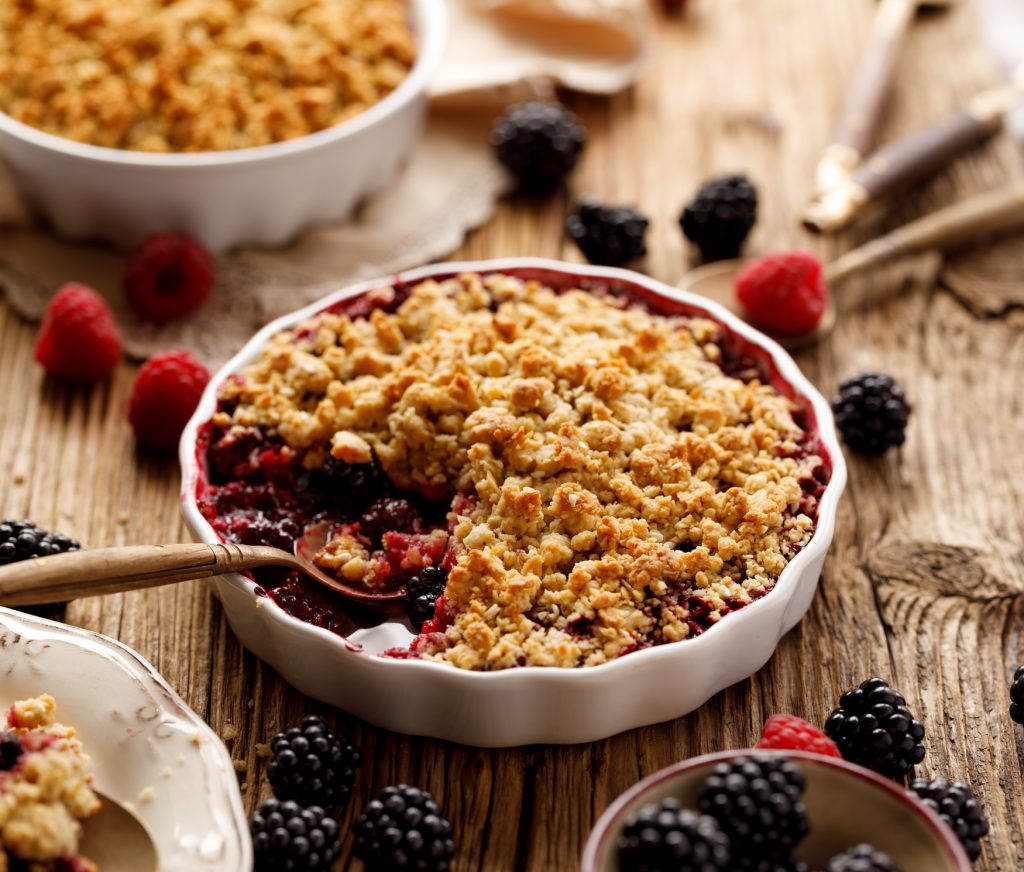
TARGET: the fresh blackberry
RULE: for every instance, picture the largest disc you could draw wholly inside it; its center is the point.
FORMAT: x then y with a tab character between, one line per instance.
313	764
956	805
873	727
1017	696
11	750
422	592
608	235
719	219
665	837
289	838
22	540
862	858
539	143
403	829
871	412
758	802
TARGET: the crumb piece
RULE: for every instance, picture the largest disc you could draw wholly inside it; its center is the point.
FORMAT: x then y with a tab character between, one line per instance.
230	733
262	750
240	765
146	794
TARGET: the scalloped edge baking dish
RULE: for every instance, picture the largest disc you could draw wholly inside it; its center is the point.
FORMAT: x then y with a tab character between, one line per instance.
531	704
263	195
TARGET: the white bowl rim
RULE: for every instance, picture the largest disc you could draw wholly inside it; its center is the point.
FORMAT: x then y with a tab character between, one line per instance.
785	365
602	829
432	18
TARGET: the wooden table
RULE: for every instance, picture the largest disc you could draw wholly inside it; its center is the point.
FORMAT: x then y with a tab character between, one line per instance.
923	582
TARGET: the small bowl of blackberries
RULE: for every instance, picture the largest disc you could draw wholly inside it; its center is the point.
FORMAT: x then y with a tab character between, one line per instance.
769	810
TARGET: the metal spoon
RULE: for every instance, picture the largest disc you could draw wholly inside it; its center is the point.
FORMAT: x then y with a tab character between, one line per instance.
116	840
981	215
94	572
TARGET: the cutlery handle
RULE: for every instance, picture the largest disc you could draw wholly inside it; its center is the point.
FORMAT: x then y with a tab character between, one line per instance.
94	572
901	164
981	215
866	93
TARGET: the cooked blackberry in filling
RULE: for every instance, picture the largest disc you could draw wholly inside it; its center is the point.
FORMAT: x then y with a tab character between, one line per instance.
588	477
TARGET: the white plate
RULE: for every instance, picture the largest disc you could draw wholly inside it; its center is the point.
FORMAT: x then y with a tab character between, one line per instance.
531	704
139	734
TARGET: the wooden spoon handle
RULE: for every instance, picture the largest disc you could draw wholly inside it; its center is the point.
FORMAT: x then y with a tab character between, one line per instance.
866	93
61	577
979	216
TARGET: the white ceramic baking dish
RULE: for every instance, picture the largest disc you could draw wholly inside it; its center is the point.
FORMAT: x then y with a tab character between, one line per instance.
262	196
531	704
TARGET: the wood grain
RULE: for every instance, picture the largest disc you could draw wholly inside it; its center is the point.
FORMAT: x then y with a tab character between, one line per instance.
924	579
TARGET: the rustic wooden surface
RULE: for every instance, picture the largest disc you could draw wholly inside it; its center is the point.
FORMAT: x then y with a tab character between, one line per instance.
925	573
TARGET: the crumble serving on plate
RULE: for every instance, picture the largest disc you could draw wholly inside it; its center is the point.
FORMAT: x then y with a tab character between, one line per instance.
198	75
609	485
45	790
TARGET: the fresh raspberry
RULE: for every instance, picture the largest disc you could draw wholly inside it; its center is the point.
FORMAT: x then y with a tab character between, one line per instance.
164	396
790	733
785	293
169	277
78	339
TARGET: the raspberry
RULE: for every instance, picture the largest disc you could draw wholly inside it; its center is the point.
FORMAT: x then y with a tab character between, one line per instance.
164	396
788	732
78	338
169	277
785	293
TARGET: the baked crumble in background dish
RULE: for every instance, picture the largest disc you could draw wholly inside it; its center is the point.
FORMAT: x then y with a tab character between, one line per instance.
45	790
198	75
596	477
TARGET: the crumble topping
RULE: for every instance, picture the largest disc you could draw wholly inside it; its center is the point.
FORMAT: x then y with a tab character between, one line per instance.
612	484
198	75
45	792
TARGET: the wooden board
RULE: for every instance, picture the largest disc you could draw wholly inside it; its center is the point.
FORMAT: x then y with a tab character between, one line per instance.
924	577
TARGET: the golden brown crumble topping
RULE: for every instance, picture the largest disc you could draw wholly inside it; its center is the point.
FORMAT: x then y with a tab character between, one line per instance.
47	792
198	75
620	480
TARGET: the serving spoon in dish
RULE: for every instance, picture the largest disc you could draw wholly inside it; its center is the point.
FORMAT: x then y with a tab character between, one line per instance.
94	572
988	213
116	840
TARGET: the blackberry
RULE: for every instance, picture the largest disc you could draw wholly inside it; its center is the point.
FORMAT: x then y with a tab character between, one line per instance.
288	838
956	805
665	837
313	764
403	829
789	865
1017	696
348	487
539	143
758	802
608	235
22	540
11	750
871	412
873	727
389	514
862	858
422	592
719	219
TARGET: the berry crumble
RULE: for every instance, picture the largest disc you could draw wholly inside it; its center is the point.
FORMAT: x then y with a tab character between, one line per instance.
198	75
590	476
45	791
